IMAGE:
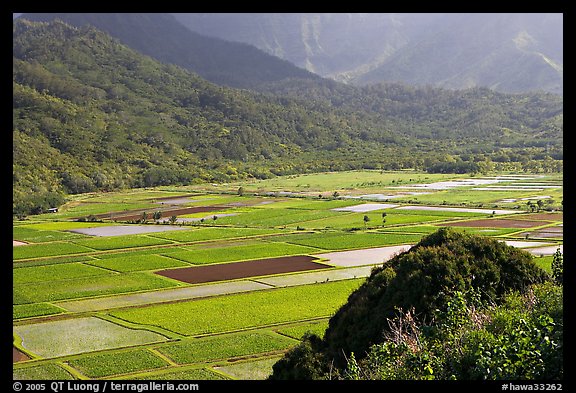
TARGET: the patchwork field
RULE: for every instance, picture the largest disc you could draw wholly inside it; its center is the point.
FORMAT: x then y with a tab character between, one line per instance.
238	278
233	271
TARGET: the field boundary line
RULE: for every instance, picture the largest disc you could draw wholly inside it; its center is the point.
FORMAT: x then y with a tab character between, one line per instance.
155	352
169	334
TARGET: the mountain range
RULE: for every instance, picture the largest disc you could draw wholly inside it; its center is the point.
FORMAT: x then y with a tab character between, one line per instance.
162	37
92	113
506	52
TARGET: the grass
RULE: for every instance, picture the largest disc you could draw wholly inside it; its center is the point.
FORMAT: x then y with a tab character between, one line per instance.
239	253
119	242
264	217
34	310
124	362
203	234
78	209
356	220
545	263
50	291
79	335
52	261
65	225
345	241
484	199
49	371
298	331
246	310
115	279
37	274
343	181
189	374
253	370
28	234
47	250
224	347
144	262
309	204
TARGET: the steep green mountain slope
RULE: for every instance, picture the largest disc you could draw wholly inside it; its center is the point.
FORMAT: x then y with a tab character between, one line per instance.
91	114
162	37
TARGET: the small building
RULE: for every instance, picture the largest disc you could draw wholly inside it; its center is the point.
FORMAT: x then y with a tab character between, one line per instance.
53	210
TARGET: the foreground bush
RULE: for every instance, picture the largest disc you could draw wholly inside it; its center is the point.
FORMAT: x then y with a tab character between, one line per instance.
414	285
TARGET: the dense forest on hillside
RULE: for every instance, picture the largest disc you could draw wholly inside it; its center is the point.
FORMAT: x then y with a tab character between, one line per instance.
163	38
454	306
89	114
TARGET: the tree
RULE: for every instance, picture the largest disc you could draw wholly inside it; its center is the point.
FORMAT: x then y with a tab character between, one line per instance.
384	218
157	215
366	219
558	267
172	220
144	218
240	191
540	204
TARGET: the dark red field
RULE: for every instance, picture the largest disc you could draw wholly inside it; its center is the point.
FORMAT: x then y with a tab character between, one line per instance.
137	214
231	271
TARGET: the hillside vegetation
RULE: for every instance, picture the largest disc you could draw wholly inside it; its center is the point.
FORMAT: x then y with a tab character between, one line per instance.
454	306
90	114
163	38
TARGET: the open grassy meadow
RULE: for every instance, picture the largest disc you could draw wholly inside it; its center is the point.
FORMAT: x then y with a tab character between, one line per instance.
92	299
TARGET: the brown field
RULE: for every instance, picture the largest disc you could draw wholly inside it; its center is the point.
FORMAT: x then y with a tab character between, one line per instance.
137	214
544	216
498	223
550	232
18	356
254	268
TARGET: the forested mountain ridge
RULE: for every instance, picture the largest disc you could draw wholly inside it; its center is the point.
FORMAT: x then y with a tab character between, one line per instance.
91	114
507	52
161	36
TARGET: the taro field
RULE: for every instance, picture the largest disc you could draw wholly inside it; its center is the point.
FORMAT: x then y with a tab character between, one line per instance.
219	281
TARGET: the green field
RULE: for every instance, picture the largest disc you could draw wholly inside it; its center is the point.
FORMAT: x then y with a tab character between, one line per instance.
89	307
345	241
48	250
225	347
50	291
69	271
34	310
241	311
187	374
46	371
268	217
297	331
115	363
28	234
239	253
120	242
80	335
144	262
204	234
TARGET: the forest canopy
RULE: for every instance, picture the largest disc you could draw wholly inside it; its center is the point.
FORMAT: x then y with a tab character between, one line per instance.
91	114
